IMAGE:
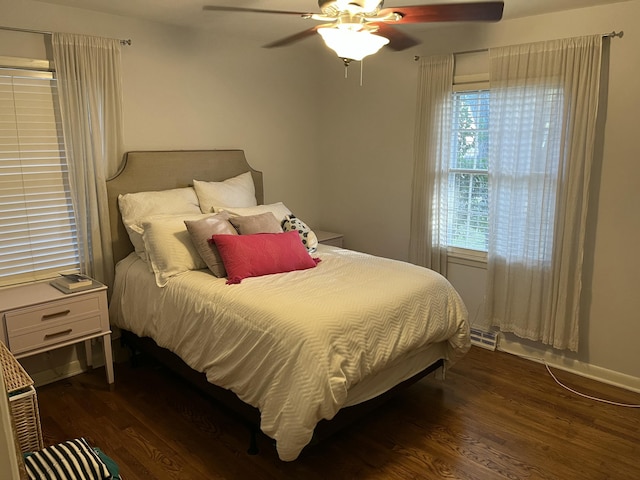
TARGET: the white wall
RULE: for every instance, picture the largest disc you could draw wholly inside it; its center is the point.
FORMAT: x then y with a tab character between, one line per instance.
194	90
366	151
367	176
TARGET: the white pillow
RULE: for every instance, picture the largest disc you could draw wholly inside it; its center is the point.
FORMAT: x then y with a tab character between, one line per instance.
233	192
278	209
136	207
136	230
169	246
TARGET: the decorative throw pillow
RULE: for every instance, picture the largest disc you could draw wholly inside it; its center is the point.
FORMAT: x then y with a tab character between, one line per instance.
309	239
201	232
262	254
279	209
71	460
238	191
261	223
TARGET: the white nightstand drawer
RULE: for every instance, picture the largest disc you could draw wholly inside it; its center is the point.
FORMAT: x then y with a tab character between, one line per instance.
25	320
51	335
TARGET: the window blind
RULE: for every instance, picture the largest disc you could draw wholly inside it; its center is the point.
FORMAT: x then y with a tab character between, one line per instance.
468	212
37	225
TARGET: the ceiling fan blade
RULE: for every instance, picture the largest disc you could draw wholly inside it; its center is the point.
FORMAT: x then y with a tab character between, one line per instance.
397	40
293	38
217	8
448	12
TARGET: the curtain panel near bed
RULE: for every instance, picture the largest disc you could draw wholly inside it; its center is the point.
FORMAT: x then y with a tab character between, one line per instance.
428	233
89	89
543	111
544	105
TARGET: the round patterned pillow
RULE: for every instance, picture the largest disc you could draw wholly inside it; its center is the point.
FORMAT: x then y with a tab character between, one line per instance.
309	239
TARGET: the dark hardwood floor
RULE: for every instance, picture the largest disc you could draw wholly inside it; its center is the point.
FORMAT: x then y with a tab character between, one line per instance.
495	416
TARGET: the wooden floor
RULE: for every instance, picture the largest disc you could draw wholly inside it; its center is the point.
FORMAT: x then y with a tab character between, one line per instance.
495	416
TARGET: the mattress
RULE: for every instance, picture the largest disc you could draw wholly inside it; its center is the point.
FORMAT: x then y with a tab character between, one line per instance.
299	346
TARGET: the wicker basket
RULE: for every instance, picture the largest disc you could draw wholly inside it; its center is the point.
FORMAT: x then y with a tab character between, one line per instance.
23	401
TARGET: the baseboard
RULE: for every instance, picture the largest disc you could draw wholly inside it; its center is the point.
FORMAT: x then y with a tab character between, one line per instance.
56	372
577	367
51	375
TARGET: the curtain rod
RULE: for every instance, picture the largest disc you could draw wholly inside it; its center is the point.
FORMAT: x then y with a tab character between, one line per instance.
42	32
613	34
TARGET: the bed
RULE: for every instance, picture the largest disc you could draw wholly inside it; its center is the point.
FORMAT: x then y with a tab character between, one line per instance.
297	352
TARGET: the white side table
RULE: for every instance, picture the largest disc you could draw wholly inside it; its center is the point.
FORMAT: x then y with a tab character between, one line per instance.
37	318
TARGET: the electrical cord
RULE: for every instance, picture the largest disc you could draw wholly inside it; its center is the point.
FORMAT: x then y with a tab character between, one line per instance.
590	397
602	400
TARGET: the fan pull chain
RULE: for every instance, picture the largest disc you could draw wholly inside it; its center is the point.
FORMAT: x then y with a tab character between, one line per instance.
347	62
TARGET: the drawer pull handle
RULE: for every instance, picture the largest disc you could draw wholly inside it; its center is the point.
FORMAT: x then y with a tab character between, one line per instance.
58	334
50	316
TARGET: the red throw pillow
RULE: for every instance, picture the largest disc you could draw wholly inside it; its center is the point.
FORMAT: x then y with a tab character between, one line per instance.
262	254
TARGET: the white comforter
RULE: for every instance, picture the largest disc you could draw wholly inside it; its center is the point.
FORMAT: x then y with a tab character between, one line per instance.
293	344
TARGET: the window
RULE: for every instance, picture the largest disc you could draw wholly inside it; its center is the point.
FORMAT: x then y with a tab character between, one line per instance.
468	176
468	170
37	226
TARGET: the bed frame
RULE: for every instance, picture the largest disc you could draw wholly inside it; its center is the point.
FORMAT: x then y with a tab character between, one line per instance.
162	170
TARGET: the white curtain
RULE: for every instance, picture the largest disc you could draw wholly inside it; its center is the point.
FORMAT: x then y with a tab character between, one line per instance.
428	234
544	104
89	87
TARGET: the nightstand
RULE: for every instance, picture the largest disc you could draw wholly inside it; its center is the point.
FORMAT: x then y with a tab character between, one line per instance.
37	318
329	238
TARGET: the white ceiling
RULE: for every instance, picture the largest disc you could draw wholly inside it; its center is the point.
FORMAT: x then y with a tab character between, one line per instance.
189	13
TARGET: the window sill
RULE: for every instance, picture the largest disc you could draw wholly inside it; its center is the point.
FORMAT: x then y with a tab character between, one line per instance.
463	256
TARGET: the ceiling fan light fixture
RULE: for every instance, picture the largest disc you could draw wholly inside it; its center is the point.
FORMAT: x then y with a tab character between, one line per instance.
353	6
351	44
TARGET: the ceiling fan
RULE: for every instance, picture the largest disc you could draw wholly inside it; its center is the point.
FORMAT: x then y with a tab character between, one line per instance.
357	28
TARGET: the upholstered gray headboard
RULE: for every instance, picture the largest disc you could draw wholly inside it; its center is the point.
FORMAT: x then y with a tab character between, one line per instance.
163	170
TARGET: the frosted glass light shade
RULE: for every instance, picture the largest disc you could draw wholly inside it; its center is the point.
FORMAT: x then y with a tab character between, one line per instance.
351	44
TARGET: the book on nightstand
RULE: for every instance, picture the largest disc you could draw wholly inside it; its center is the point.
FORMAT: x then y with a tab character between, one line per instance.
74	282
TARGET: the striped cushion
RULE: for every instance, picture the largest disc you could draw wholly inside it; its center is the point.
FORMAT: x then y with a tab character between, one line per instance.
69	460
